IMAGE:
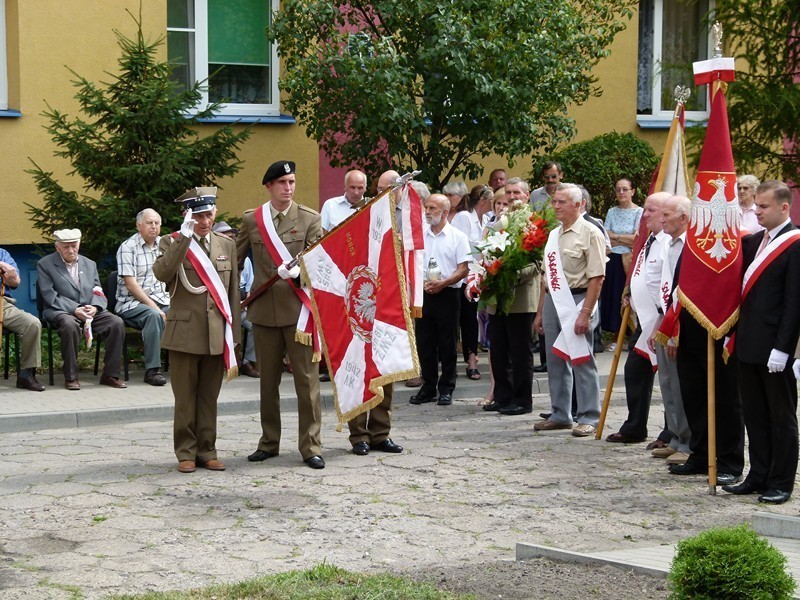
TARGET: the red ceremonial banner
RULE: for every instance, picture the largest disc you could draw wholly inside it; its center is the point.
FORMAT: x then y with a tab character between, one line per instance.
711	267
360	303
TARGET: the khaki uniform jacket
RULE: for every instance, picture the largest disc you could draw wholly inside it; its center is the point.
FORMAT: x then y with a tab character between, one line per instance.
194	323
279	306
526	294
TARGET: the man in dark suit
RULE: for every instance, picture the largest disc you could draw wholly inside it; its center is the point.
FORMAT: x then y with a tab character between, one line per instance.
75	304
197	334
289	227
766	337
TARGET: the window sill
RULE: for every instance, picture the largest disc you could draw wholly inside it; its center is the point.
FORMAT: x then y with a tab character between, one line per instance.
649	122
266	120
10	114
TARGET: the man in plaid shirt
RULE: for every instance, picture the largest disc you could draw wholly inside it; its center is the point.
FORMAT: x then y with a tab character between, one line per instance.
142	300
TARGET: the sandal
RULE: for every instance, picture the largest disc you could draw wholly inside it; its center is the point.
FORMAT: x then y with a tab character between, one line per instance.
473	374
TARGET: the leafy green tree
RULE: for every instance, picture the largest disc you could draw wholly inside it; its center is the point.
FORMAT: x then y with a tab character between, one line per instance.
764	101
133	149
439	85
599	162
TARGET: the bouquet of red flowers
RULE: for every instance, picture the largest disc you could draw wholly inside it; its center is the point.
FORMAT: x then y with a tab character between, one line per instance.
514	241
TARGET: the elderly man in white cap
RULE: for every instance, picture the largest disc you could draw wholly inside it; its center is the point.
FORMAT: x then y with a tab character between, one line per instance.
75	304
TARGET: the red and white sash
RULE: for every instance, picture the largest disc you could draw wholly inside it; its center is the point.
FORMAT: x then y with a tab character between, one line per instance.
413	244
645	308
758	266
568	345
208	275
670	326
306	330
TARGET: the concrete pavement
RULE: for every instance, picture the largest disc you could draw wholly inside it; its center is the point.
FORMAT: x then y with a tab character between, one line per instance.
97	506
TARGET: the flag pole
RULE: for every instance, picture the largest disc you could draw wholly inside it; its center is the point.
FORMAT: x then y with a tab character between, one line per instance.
399	182
626	313
712	419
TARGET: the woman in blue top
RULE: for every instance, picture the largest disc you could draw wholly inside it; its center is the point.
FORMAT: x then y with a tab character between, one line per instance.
622	223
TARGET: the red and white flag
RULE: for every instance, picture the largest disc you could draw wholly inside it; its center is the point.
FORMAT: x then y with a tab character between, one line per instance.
711	267
358	294
413	243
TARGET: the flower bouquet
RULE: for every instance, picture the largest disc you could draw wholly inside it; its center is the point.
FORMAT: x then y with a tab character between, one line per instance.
514	241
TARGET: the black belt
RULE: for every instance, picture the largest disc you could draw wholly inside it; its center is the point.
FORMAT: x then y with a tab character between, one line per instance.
573	291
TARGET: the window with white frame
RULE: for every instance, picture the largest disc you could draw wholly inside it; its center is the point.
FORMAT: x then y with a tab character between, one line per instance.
672	35
222	44
3	58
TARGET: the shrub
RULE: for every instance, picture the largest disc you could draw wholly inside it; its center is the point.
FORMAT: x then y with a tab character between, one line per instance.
729	563
597	163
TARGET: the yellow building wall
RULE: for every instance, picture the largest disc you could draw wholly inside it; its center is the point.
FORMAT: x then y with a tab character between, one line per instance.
47	36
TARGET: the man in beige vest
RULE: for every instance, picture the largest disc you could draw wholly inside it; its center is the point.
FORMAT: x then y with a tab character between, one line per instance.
275	312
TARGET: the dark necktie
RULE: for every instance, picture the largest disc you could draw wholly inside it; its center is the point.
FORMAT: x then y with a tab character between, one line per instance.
648	244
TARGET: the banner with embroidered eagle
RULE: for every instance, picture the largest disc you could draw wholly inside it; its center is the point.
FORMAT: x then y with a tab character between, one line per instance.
359	297
711	265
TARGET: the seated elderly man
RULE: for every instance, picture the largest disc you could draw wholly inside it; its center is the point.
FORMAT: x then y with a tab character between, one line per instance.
28	327
75	304
142	300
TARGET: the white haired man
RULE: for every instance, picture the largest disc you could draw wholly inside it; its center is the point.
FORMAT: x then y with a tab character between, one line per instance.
575	257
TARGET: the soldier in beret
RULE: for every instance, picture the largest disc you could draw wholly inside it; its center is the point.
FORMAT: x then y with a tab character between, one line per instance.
281	226
201	328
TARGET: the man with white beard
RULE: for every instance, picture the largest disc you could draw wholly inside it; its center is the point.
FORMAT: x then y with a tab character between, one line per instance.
447	254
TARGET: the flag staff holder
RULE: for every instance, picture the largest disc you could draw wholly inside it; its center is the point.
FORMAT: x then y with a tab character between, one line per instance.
251	297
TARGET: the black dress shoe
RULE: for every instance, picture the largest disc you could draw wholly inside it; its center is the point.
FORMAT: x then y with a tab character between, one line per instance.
420	398
154	377
774	497
728	478
545	416
361	448
688	468
260	455
444	400
746	487
540	369
316	462
29	383
388	445
492	406
515	409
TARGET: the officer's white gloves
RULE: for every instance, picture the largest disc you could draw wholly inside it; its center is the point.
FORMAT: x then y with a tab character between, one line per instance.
796	368
187	227
286	273
777	361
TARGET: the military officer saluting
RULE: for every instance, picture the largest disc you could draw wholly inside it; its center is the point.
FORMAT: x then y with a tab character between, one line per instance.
199	268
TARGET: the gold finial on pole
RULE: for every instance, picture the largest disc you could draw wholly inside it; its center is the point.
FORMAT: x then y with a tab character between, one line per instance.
717	31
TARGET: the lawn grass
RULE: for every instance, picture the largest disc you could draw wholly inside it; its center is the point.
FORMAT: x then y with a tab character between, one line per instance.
323	582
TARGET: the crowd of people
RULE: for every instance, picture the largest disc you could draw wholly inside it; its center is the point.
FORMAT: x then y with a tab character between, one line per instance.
182	292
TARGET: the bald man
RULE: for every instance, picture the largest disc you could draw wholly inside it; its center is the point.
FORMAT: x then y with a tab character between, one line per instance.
335	210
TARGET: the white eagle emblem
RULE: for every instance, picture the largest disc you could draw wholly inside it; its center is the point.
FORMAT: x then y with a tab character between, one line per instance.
716	220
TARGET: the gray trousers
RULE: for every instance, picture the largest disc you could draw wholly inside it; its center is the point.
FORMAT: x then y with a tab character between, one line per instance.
151	324
673	404
561	374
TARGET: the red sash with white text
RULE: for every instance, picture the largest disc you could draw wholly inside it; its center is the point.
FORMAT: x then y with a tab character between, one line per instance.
208	275
568	345
759	265
306	330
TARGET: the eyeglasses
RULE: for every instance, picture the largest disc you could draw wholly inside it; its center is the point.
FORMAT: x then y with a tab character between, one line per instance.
744	187
548	177
622	189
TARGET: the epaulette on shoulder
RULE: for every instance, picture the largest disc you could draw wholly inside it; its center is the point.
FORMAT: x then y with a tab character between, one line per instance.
248	211
303	207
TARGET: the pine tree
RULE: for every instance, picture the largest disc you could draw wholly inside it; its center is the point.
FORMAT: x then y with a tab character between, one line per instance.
134	148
